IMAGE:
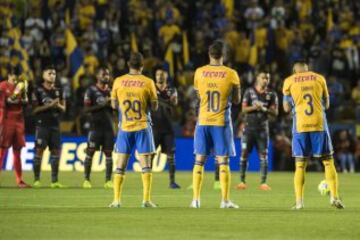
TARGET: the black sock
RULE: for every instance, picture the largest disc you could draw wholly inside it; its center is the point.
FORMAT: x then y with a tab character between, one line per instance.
217	172
263	170
243	168
37	167
54	161
87	167
109	166
172	167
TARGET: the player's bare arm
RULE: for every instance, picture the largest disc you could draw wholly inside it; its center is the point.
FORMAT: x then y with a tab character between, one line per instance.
236	95
273	110
286	106
327	103
25	99
61	105
174	99
114	104
154	105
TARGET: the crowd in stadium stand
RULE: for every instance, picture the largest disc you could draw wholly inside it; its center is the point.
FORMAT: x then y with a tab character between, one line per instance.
175	34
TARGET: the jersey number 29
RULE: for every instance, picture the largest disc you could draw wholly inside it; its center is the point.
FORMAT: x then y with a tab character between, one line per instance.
134	106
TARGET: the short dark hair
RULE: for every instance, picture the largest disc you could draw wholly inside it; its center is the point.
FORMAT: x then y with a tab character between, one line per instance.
263	69
101	68
48	67
301	61
13	70
136	61
216	50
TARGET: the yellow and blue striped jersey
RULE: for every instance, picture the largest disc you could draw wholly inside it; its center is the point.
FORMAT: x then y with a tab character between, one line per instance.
214	84
306	92
133	93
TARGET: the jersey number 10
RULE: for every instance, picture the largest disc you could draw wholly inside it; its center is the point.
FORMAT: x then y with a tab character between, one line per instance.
213	101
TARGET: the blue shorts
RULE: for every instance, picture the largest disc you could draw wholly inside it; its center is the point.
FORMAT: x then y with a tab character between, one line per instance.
312	144
216	139
142	141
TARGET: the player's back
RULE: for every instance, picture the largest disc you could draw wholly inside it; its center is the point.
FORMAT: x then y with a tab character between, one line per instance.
133	92
307	91
214	84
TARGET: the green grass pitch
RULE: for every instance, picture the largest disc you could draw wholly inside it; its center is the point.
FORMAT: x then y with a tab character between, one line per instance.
76	213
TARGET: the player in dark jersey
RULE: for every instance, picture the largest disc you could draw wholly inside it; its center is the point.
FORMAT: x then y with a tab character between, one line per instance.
97	103
13	94
162	127
48	104
258	103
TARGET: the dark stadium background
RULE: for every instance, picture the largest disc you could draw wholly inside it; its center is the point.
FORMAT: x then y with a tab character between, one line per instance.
78	36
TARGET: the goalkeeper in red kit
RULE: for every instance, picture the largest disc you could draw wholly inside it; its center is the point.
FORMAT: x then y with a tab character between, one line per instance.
12	131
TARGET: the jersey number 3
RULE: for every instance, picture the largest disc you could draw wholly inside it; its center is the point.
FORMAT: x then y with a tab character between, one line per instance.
310	110
213	101
135	106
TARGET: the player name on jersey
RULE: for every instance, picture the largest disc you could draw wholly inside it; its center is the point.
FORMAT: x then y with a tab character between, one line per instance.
305	78
214	74
132	83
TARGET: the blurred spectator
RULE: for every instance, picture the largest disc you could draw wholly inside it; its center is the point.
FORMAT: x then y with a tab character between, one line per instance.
355	96
120	67
112	23
189	126
35	26
282	152
85	10
339	65
277	14
57	45
273	33
253	14
91	61
344	149
27	40
103	39
357	153
170	12
336	91
168	31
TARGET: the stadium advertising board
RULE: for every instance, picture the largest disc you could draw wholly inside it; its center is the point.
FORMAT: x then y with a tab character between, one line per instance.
73	155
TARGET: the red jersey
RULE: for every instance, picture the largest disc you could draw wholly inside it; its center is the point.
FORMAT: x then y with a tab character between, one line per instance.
9	113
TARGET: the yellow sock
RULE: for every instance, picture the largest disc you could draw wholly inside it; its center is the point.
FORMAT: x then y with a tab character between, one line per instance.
225	181
299	180
147	181
331	177
303	186
198	173
118	183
